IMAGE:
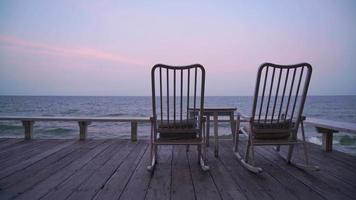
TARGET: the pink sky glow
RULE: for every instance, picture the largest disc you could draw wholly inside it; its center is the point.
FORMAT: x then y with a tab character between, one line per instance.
108	47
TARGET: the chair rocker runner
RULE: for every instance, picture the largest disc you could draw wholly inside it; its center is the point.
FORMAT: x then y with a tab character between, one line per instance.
174	91
278	103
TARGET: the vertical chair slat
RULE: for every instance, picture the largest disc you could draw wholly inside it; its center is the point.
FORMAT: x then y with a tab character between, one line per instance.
297	92
188	90
290	92
276	95
270	92
263	94
153	82
195	90
181	95
174	96
160	92
202	100
167	96
284	91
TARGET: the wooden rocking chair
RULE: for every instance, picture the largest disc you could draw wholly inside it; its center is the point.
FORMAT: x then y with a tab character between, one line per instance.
178	89
277	109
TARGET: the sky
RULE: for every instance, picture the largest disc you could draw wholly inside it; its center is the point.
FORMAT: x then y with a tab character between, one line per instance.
108	47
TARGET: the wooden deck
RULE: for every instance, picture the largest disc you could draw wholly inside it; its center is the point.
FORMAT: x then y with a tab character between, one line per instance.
116	169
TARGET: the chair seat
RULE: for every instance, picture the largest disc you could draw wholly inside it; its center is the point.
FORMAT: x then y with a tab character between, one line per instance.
274	130
179	130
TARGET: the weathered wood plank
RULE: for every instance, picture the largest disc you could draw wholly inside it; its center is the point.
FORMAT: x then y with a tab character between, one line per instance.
294	186
64	189
123	159
116	169
343	171
182	184
339	157
4	140
241	176
340	174
18	157
137	185
204	185
28	162
48	185
40	166
114	187
160	185
42	174
323	185
10	143
20	147
227	186
262	181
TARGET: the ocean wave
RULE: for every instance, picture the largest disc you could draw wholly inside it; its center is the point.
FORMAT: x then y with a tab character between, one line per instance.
6	127
57	130
113	115
69	111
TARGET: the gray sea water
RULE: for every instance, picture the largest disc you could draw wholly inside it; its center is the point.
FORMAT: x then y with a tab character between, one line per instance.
338	108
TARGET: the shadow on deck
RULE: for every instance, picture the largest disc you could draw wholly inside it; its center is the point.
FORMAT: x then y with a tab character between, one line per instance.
116	169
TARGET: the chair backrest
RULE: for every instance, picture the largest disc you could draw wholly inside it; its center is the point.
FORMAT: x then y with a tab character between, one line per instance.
280	95
175	89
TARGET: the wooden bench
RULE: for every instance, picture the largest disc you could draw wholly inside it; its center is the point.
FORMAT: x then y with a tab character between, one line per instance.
328	127
83	123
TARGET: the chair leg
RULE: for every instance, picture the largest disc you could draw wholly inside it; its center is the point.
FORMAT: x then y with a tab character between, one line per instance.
153	148
236	146
290	153
304	145
236	133
201	159
199	153
247	150
306	166
152	165
252	154
245	162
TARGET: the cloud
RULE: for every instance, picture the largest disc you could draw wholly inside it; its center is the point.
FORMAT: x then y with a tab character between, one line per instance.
79	52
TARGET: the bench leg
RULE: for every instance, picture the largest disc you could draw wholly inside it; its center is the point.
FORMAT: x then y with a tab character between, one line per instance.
83	129
327	141
133	131
327	138
28	126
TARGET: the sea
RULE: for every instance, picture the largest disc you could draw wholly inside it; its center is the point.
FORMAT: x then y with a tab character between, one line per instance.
338	108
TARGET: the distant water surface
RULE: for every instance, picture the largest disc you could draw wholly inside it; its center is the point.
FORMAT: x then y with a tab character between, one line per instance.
338	108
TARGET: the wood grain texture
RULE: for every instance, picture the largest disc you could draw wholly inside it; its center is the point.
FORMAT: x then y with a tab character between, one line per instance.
116	169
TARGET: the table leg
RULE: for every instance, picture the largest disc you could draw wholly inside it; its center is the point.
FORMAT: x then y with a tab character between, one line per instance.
232	124
216	139
207	130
